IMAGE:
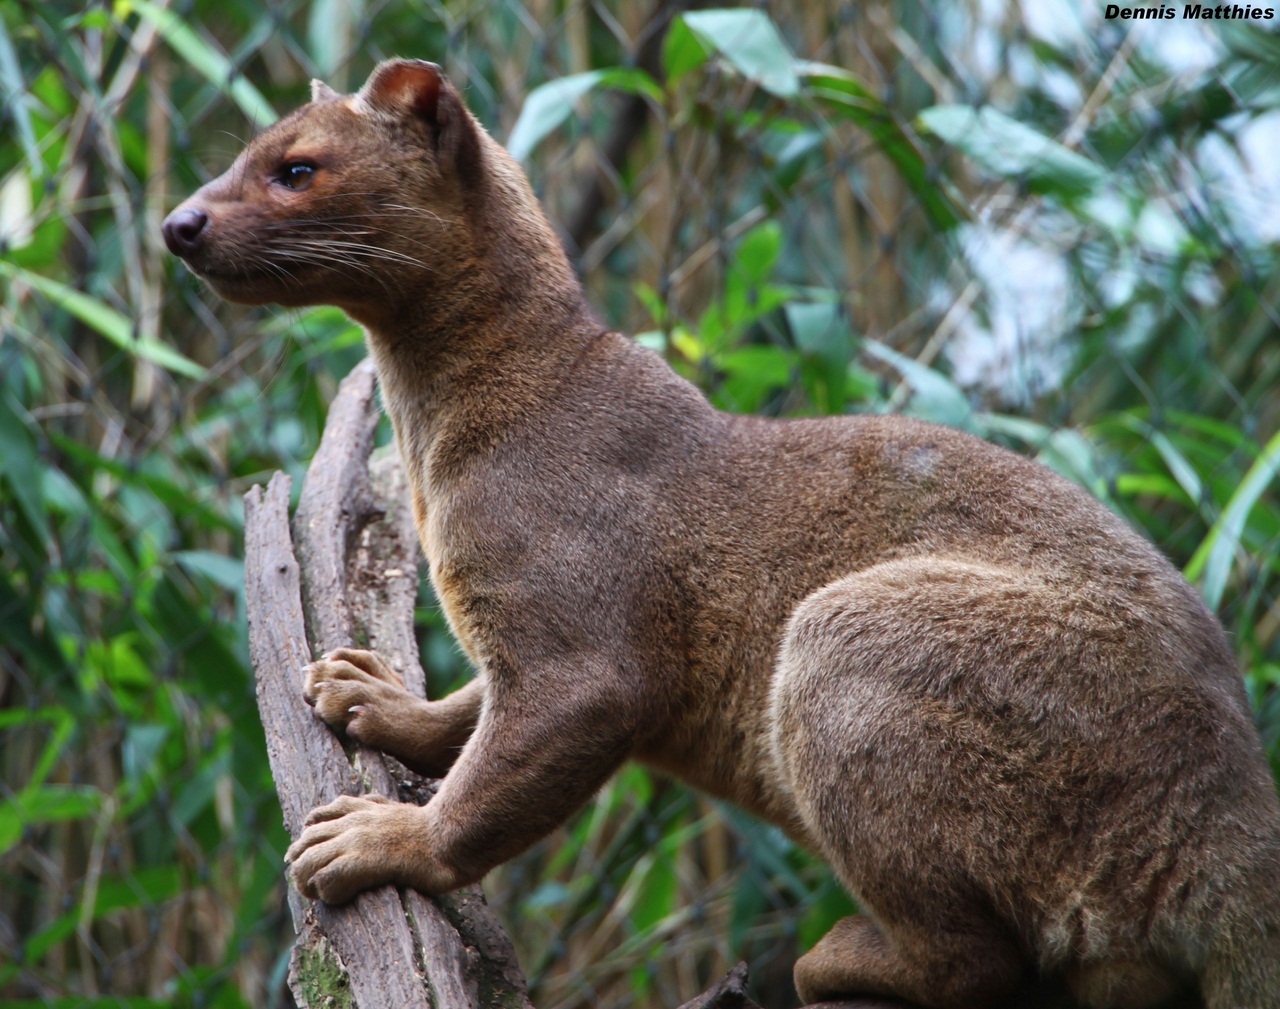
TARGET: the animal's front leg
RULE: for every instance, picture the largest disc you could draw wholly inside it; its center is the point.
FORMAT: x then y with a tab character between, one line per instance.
359	842
546	741
356	691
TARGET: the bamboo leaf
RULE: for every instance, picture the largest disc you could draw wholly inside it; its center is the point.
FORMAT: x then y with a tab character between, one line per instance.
224	571
1010	149
934	395
82	1002
13	89
205	58
20	467
106	320
1216	553
843	93
46	804
750	41
549	105
682	51
146	886
1179	466
329	27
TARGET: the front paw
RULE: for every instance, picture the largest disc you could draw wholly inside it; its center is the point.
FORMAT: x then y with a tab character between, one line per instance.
357	691
359	842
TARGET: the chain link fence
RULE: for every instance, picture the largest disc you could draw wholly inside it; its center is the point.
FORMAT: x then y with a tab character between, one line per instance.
1053	229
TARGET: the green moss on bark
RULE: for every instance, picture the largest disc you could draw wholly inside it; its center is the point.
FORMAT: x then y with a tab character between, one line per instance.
322	980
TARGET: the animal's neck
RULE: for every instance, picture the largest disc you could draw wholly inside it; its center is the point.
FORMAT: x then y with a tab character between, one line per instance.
469	359
469	349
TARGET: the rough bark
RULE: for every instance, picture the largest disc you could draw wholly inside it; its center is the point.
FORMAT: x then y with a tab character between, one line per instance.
350	580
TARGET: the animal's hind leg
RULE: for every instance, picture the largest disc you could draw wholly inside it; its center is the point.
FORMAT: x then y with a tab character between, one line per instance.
923	800
940	971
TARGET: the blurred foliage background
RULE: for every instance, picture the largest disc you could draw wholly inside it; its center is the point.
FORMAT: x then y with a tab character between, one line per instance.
1053	230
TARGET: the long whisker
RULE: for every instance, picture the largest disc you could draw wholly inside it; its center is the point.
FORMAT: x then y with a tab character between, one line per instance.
319	255
323	257
289	227
372	252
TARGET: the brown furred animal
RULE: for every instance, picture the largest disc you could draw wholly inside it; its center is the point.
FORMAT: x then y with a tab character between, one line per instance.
1004	719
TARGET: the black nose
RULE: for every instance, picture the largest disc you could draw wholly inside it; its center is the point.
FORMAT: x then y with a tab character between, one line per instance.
184	230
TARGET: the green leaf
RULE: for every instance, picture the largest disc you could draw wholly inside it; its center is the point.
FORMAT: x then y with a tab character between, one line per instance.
20	632
1219	430
843	93
204	58
793	156
329	32
62	495
1182	470
750	41
1217	552
550	104
176	498
1179	466
224	571
545	108
148	886
10	717
831	904
820	331
1010	149
45	804
656	894
11	825
20	466
757	253
106	320
1149	485
197	793
934	396
142	746
549	895
751	374
682	51
117	663
13	89
64	727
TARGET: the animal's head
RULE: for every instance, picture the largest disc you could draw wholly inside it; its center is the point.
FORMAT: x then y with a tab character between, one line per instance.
355	200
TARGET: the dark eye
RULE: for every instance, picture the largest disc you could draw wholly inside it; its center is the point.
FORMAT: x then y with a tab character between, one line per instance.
296	175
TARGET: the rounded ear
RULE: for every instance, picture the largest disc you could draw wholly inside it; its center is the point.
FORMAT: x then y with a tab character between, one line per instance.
411	87
321	92
420	90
